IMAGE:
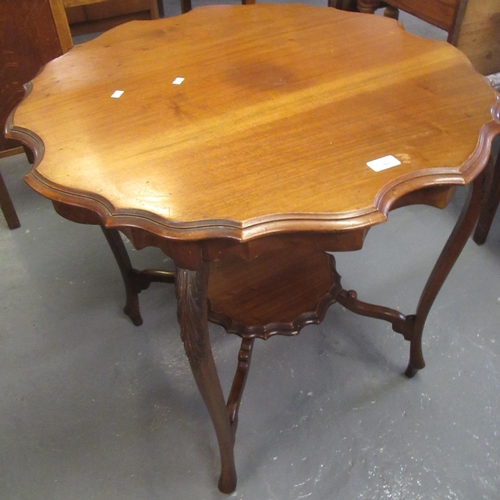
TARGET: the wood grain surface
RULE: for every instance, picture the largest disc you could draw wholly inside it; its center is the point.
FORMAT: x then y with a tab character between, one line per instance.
280	109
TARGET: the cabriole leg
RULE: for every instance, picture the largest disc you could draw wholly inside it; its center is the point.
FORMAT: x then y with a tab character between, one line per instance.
443	266
117	246
135	281
191	288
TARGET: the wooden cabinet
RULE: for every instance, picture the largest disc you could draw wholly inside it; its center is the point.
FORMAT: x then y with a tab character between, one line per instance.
472	25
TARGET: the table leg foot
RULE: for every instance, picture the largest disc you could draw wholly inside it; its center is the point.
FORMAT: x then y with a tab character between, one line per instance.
192	313
416	361
132	310
411	371
227	484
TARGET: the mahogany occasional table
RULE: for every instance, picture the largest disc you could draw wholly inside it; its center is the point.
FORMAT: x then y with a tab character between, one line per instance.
239	145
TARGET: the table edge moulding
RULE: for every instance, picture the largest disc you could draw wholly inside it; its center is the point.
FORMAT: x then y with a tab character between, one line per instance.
261	273
393	195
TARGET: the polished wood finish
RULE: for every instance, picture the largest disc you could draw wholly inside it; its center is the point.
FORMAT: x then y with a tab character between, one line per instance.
472	25
191	288
282	291
32	32
255	165
253	119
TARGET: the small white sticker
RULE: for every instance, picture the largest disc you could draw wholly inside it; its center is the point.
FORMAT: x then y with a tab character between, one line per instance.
383	163
178	80
117	94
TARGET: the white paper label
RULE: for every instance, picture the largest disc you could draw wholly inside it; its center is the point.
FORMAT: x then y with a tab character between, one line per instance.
383	163
117	94
178	80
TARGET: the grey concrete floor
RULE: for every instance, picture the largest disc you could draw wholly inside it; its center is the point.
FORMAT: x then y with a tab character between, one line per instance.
95	408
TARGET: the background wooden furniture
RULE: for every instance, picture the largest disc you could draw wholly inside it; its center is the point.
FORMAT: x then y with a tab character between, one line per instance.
186	4
91	16
343	4
440	13
472	25
258	161
32	32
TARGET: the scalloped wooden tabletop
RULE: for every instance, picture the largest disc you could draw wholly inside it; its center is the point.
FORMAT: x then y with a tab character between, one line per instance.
279	111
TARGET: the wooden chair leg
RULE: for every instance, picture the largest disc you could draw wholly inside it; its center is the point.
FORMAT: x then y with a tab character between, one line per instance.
185	6
391	12
161	10
490	205
7	206
350	5
368	6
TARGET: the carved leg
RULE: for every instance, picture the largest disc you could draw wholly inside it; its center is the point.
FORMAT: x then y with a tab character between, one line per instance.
191	288
368	6
490	205
240	378
7	206
442	268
